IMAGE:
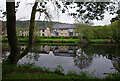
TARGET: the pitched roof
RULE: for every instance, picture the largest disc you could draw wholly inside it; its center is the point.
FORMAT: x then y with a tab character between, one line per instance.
63	26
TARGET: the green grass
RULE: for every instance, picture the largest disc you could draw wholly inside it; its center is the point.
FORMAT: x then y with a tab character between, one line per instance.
46	39
58	40
59	43
98	40
72	40
30	71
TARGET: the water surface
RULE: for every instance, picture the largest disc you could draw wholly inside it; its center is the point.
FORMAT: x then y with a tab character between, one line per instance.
99	59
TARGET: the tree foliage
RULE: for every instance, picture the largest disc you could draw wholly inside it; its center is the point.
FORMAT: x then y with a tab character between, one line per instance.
100	32
87	10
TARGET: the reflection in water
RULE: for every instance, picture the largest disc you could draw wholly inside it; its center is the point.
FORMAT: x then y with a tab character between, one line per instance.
33	56
92	57
69	51
111	52
116	63
82	60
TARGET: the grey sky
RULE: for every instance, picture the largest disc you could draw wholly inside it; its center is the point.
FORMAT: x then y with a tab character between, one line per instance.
24	12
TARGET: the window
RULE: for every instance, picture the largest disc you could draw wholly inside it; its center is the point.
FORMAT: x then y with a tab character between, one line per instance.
71	32
42	34
65	49
65	31
76	33
57	30
56	49
43	30
61	31
61	48
56	34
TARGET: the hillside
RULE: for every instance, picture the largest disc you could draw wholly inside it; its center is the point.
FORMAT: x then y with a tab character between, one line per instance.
23	24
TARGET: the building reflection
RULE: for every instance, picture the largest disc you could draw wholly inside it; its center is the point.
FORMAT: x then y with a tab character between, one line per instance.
82	55
38	49
69	51
81	59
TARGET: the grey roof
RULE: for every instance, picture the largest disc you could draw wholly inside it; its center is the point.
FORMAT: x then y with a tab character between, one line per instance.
63	26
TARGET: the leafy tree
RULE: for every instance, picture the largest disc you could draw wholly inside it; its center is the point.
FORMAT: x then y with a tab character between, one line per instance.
116	30
90	32
15	53
90	11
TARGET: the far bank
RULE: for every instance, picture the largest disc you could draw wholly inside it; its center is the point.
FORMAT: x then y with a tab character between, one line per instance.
62	39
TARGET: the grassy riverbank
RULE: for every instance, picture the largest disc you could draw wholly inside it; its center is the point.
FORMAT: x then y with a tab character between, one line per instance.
47	39
29	71
60	40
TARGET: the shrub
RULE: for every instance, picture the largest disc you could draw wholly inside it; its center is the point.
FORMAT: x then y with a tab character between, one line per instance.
59	70
53	37
62	37
74	37
72	73
26	66
41	37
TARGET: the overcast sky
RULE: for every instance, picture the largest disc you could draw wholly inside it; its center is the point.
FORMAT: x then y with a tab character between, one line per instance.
24	12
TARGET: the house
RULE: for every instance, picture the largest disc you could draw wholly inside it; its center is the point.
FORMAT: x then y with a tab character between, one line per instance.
42	31
39	31
57	30
64	30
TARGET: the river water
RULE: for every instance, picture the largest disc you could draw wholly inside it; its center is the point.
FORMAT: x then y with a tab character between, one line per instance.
95	59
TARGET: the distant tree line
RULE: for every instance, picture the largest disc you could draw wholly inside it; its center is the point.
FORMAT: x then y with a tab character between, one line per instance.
99	32
23	24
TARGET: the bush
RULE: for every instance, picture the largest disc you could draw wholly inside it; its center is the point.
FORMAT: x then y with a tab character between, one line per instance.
72	73
41	37
59	70
74	37
62	37
53	37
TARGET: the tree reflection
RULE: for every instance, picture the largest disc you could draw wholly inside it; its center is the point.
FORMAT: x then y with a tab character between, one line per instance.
84	53
111	52
33	56
82	60
34	53
116	63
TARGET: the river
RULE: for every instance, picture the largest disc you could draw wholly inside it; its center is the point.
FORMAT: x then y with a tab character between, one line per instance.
95	59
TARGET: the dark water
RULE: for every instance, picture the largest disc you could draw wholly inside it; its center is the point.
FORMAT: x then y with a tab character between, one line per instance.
99	59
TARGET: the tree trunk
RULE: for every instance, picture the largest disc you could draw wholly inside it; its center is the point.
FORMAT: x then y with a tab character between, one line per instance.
15	54
31	31
11	32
